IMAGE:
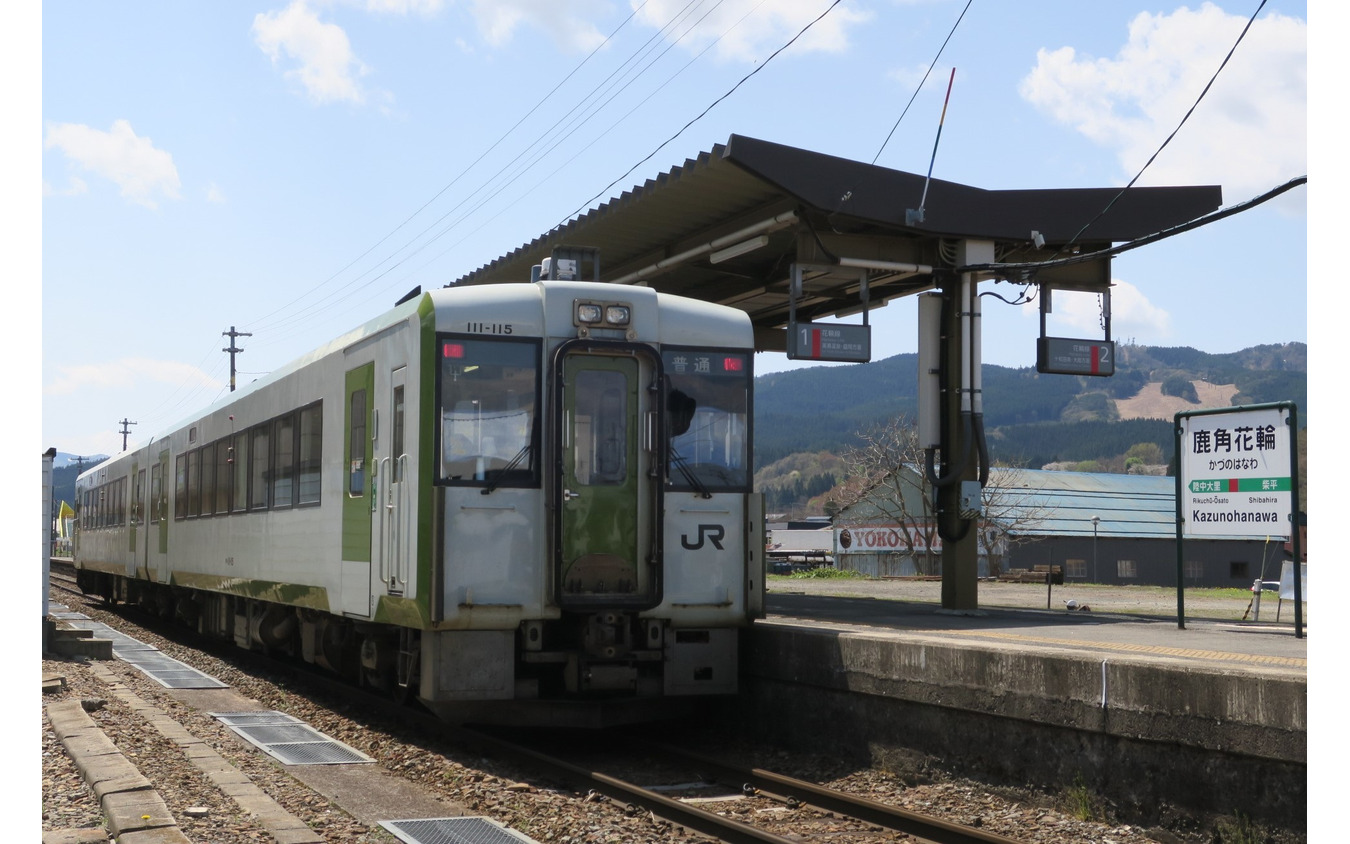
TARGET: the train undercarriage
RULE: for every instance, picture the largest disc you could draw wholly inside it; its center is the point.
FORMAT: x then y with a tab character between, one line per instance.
607	657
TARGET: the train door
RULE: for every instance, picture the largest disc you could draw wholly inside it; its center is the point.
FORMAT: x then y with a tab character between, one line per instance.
156	546
393	508
136	537
358	490
607	498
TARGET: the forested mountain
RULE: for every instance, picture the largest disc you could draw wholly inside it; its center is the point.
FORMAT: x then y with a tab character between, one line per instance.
1030	419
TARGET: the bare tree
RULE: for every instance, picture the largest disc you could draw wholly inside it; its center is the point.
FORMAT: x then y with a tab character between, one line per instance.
886	482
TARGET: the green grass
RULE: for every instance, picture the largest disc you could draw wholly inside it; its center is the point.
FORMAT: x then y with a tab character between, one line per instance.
1081	802
821	573
1240	830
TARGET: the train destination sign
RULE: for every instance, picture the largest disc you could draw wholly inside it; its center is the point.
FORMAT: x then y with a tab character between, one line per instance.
830	342
1236	473
1065	356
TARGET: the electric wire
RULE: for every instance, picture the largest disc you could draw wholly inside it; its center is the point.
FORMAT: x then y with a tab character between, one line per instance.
1169	138
931	65
261	320
1028	268
263	329
700	115
527	167
497	188
608	129
487	187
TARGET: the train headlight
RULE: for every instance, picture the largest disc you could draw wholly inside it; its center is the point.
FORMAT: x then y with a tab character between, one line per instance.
588	314
617	315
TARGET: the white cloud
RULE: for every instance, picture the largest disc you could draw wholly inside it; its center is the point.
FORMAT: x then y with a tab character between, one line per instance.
77	186
750	30
565	23
1079	314
214	194
1249	134
141	171
425	8
125	373
326	66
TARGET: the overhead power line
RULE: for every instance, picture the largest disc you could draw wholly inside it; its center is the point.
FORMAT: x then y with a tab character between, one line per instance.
919	88
1030	267
1169	138
701	114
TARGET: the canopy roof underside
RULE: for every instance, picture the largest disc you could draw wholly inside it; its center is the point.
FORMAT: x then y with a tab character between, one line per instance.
841	220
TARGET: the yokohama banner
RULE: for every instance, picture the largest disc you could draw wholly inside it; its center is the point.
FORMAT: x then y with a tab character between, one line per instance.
886	538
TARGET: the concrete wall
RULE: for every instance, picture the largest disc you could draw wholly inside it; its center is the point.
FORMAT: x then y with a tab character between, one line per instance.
1209	741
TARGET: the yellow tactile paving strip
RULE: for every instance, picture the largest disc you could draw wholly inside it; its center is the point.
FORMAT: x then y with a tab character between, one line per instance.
1154	650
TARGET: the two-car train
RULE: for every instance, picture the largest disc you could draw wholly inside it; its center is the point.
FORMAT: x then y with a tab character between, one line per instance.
524	502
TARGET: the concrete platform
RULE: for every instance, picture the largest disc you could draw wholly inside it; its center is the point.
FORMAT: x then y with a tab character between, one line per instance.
134	812
1212	717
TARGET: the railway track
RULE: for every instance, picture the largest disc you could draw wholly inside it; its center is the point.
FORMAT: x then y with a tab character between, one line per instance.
746	804
804	811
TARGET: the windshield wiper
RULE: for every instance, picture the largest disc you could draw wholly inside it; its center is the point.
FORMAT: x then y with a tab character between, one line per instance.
689	475
501	473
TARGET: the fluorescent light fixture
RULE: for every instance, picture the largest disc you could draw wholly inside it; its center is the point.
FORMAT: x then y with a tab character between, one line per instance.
739	249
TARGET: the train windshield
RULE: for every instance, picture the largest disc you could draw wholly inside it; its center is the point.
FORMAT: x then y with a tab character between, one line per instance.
489	393
707	408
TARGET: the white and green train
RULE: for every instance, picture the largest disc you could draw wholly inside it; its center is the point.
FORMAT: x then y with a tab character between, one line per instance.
524	503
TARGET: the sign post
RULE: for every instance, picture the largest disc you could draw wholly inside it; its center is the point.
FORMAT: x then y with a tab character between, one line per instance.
842	342
1237	474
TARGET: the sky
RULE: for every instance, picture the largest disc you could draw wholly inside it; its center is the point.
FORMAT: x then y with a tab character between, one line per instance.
290	169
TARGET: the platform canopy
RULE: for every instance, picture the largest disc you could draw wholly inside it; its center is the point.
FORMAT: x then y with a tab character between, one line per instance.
727	227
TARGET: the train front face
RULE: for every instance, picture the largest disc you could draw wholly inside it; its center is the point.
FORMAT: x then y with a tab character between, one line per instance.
597	556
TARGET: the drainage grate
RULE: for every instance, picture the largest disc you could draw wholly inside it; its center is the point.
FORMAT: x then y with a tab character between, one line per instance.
454	831
289	739
149	660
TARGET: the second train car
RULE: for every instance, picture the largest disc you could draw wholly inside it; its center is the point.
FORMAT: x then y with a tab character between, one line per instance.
524	503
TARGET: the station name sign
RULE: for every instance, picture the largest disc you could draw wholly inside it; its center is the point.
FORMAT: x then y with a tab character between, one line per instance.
829	342
1236	474
1065	356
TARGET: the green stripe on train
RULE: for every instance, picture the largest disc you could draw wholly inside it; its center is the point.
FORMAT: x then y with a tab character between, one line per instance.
291	594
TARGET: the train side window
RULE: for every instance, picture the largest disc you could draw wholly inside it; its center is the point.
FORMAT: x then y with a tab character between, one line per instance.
241	467
398	434
258	475
208	479
194	482
356	472
311	453
489	397
156	490
283	461
138	499
224	475
180	498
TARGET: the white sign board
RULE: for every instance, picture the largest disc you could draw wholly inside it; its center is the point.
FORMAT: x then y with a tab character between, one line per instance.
1287	581
1235	473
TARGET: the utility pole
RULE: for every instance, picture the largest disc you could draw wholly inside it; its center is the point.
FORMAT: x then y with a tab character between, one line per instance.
125	430
232	334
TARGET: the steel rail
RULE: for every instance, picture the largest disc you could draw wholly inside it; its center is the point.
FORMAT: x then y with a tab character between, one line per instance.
674	811
777	786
